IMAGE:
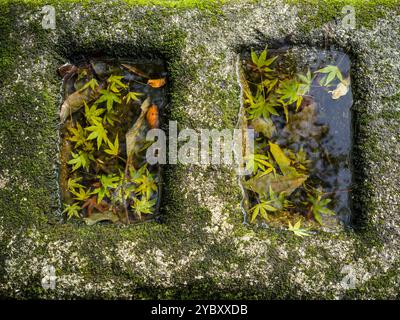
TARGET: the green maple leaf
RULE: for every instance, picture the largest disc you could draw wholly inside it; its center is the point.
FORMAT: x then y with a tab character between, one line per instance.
132	96
98	132
270	83
108	182
92	83
146	185
298	231
332	73
82	159
82	195
72	210
257	162
288	90
278	201
262	209
115	82
109	98
78	135
92	114
114	148
261	62
110	117
305	83
73	184
319	207
124	189
143	205
258	106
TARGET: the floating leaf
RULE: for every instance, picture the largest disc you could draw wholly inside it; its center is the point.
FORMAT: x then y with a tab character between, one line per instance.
298	231
319	207
82	195
146	185
281	159
115	83
72	210
261	209
332	72
92	114
258	106
109	98
92	84
99	133
82	159
257	162
114	148
108	182
78	135
73	184
341	89
143	206
261	62
306	81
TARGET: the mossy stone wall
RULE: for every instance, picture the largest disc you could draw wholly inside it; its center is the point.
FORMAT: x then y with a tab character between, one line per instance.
202	249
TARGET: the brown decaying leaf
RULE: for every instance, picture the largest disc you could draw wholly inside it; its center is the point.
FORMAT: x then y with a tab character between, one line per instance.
135	70
341	89
278	183
98	217
76	100
157	83
136	136
66	69
91	204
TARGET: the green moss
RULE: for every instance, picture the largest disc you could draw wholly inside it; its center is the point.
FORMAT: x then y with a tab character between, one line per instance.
315	13
185	217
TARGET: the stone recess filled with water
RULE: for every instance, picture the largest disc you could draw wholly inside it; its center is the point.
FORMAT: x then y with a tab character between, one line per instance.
108	108
298	103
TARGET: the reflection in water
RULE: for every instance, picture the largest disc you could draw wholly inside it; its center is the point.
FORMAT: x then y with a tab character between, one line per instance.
321	127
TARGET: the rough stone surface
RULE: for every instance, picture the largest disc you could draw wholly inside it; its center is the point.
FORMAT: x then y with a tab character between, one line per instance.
201	249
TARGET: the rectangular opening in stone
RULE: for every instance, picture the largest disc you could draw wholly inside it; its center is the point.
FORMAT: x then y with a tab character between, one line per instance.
109	105
298	101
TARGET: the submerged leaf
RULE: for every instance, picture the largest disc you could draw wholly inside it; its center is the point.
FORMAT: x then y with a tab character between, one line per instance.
136	136
98	217
264	126
134	96
73	103
278	183
135	70
281	159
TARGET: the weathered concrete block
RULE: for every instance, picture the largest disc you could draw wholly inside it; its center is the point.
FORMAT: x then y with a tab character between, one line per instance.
202	249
